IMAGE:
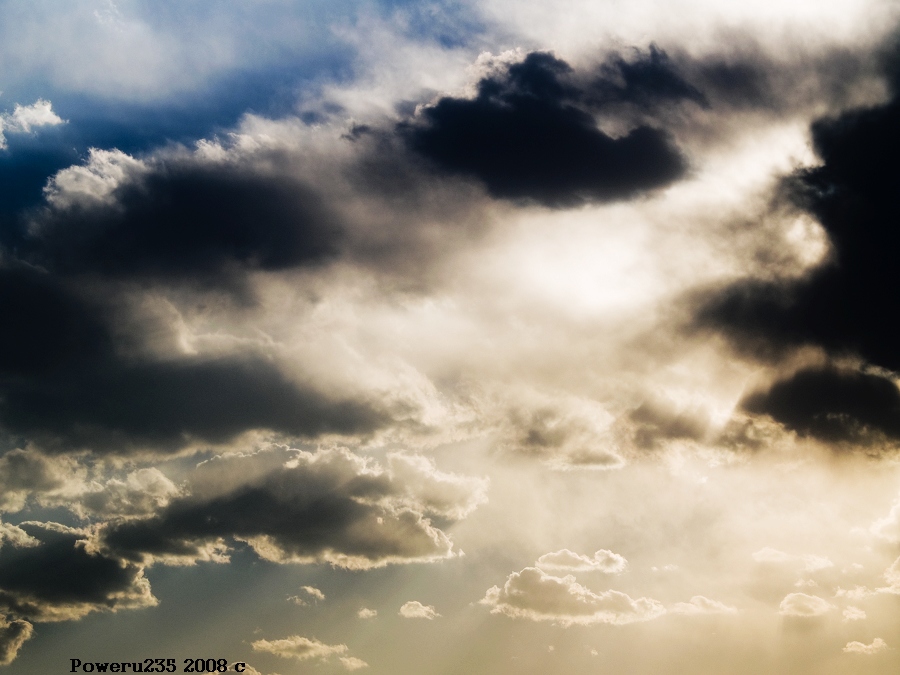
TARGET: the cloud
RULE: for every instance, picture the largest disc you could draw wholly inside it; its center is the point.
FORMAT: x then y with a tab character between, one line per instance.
352	663
533	594
310	591
179	219
878	645
26	472
291	506
841	306
25	119
564	559
297	647
13	634
811	562
56	576
888	528
701	605
804	606
527	135
167	405
416	610
565	433
366	613
851	613
832	405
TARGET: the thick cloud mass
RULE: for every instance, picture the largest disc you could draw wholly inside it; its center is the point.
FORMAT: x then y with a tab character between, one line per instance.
832	405
52	576
529	135
45	327
169	404
299	507
186	221
847	306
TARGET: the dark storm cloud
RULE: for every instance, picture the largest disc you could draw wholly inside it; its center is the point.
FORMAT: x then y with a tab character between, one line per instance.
55	577
166	405
45	327
63	384
299	507
847	306
649	80
189	222
832	405
530	133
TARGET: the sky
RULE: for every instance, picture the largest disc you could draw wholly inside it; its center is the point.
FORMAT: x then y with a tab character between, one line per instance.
465	336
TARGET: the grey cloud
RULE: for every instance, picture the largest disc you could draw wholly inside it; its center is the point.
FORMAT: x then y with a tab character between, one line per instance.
833	405
330	506
56	576
529	136
167	405
181	219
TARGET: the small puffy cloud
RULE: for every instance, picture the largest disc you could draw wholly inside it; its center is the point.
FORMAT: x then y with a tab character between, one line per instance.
298	647
366	613
564	559
852	613
804	606
352	663
310	592
701	605
416	610
533	594
878	645
26	118
13	635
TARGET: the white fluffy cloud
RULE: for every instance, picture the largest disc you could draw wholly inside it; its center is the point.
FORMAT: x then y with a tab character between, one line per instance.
534	594
416	610
26	118
298	647
564	559
878	645
803	605
352	663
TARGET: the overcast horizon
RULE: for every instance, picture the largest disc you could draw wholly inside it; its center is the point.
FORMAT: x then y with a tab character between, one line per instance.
464	336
